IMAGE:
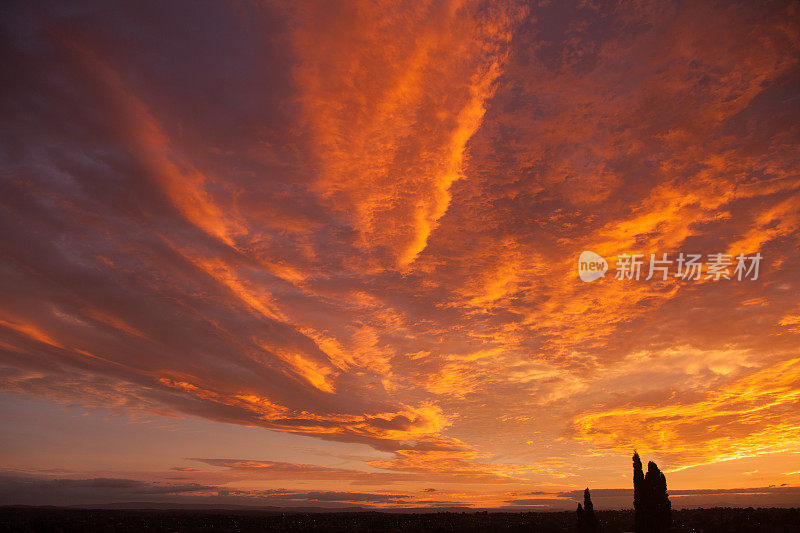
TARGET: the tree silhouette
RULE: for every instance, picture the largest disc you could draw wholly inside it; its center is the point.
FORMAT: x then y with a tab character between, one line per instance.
639	497
587	522
650	498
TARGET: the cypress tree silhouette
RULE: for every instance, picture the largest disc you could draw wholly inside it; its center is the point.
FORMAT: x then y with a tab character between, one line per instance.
660	506
650	498
638	493
587	521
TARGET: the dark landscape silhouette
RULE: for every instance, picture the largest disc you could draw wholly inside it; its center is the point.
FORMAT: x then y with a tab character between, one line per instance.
652	513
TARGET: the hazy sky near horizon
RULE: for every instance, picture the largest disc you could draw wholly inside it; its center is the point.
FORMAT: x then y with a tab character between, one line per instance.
324	253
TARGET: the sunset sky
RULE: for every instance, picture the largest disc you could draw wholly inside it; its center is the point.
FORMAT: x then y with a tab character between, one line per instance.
325	253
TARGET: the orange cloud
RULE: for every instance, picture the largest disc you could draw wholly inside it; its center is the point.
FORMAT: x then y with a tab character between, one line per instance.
748	417
391	112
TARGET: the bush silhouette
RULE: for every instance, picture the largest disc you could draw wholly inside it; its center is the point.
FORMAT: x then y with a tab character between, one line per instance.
650	498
